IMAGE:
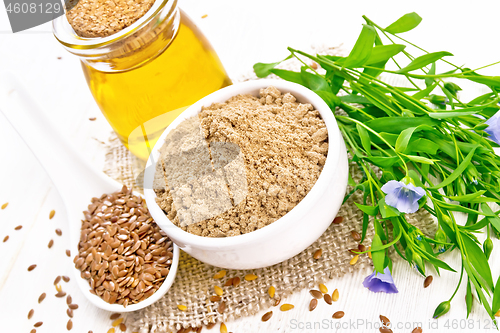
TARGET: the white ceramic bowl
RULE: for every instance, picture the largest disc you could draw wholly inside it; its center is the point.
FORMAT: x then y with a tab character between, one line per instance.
290	234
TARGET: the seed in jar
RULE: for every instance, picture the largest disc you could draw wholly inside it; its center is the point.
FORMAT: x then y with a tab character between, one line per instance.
355	235
228	283
19	227
32	267
114	316
335	295
318	254
117	322
69	325
286	307
61	294
182	307
38	324
41	297
220	274
250	277
51	242
65	278
236	281
354	260
323	288
223	328
218	290
123	328
338	220
51	214
328	299
271	291
6	238
385	320
267	316
69	312
338	315
58	232
222	307
428	280
385	330
68	253
5	205
417	330
313	304
30	314
316	293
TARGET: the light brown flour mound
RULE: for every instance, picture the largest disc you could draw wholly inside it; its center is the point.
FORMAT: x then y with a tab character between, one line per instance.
284	147
101	18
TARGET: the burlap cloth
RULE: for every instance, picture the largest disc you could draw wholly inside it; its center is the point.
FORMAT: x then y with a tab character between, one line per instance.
194	283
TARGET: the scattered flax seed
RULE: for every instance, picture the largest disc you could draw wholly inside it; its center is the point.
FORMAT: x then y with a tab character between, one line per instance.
32	267
236	281
41	298
73	306
318	254
68	253
417	330
117	322
385	320
59	58
40	323
5	205
316	293
385	330
69	300
19	227
497	314
277	301
250	277
65	278
328	299
428	280
69	325
313	304
356	236
223	328
31	313
6	238
58	232
218	290
210	326
335	295
323	288
60	294
222	307
271	291
203	16
338	220
220	274
181	307
228	283
58	287
111	330
314	65
361	248
114	316
215	298
338	315
33	331
92	118
69	312
370	252
286	307
354	260
51	242
123	328
267	316
52	213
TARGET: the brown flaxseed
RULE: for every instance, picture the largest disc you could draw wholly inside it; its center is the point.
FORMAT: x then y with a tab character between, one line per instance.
316	293
215	298
68	253
115	316
69	312
361	248
41	297
338	315
318	254
228	283
51	242
328	299
31	313
210	326
92	118
355	235
222	307
38	324
69	325
33	331
417	330
32	267
236	281
6	238
428	280
338	220
65	278
60	294
267	316
73	306
123	327
58	232
19	227
57	280
69	300
385	320
313	304
385	330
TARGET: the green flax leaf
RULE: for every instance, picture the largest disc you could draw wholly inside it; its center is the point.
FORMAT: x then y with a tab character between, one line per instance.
423	61
288	75
478	259
370	210
469	298
262	69
365	138
404	138
495	306
362	50
405	23
383	53
458	172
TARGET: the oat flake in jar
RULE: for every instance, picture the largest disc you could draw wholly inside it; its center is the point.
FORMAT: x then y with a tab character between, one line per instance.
142	75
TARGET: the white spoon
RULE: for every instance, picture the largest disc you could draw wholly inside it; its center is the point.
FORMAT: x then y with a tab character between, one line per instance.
74	178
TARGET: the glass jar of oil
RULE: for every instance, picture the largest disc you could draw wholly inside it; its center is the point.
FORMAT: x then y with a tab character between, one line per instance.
144	76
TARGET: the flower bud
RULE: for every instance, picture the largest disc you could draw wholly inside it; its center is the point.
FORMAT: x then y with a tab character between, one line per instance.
442	309
452	88
488	247
440	236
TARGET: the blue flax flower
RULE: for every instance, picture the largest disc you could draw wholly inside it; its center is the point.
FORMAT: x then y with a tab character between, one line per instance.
378	282
493	128
401	196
